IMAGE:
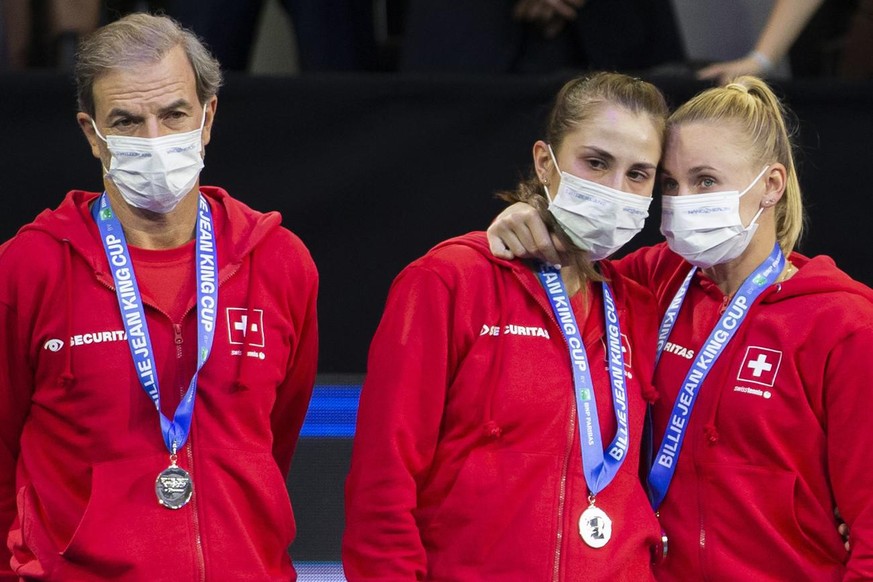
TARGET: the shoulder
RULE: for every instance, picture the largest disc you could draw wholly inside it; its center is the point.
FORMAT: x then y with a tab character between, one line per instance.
458	264
628	292
260	236
463	254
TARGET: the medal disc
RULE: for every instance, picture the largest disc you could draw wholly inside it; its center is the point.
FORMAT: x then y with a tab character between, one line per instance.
595	527
173	487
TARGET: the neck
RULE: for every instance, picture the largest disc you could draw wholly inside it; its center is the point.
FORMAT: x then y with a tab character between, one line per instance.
152	230
730	276
573	280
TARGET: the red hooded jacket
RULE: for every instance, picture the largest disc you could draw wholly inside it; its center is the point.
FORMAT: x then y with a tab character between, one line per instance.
466	464
80	442
780	433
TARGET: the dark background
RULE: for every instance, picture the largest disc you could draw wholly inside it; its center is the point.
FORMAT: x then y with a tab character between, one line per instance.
372	170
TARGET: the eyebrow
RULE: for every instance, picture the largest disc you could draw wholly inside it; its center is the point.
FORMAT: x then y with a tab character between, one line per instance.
177	104
611	158
703	168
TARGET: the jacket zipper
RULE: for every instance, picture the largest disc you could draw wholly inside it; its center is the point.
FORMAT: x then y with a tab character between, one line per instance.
562	496
562	493
189	454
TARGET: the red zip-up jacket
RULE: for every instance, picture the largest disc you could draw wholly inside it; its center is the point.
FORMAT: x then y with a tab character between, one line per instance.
781	430
466	463
80	442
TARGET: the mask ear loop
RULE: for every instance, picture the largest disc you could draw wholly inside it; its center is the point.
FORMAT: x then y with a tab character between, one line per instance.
97	131
761	209
554	159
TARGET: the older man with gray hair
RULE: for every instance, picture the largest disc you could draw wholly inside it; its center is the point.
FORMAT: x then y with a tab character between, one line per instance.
121	310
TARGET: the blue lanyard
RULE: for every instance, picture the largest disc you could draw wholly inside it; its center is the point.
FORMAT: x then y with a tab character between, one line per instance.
599	469
133	315
664	465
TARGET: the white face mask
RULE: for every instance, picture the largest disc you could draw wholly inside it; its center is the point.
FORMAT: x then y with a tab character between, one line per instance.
155	173
597	218
706	229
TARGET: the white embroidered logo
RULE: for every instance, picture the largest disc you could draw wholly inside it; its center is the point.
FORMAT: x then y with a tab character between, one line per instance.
760	366
246	327
513	329
245	324
54	345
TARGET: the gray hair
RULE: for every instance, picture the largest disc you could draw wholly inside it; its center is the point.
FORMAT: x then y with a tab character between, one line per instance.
137	39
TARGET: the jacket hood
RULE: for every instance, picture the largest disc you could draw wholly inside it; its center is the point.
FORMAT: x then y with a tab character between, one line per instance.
238	230
239	227
817	275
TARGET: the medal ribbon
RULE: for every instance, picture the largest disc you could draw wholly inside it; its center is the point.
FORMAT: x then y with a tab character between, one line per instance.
664	465
599	469
133	314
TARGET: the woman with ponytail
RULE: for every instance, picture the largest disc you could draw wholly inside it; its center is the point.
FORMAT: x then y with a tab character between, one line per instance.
500	423
762	429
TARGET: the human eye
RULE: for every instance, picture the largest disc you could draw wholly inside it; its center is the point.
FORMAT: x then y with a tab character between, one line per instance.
639	176
175	117
669	185
707	182
123	123
597	164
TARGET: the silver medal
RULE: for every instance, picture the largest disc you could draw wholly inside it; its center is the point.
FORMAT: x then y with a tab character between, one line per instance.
173	487
595	527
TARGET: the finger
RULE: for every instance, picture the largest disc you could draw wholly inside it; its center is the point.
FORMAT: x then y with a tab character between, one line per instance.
504	246
532	233
519	231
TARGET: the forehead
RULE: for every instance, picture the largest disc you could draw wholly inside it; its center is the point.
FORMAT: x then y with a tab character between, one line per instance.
705	143
621	132
146	86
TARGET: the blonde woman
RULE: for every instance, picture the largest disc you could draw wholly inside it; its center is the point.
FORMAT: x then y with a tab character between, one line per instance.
763	358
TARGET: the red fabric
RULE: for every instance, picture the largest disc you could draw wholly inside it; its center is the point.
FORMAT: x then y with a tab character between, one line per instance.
166	277
766	457
80	443
466	463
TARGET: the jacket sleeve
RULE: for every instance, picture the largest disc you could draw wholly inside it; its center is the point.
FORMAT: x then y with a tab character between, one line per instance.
636	266
398	426
294	393
15	396
849	391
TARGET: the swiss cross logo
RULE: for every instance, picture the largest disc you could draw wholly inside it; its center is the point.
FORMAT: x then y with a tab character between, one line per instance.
760	365
245	326
626	351
626	354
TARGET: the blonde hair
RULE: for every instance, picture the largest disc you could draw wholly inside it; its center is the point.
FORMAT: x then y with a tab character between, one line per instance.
137	39
578	100
750	104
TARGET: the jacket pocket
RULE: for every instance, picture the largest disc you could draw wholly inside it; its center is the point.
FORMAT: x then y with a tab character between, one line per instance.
498	520
247	520
123	527
789	535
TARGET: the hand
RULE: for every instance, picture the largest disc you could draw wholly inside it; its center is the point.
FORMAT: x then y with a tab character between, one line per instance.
545	12
519	232
727	71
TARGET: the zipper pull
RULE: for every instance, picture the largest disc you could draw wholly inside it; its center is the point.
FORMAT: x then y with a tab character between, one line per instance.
177	339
